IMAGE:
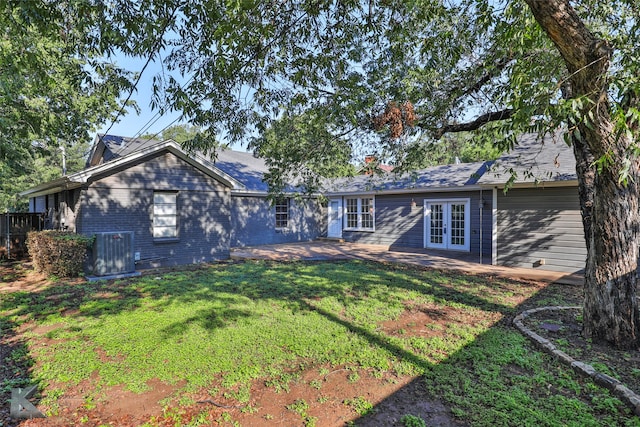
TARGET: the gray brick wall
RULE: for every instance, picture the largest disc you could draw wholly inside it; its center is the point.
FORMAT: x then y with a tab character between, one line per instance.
253	221
123	201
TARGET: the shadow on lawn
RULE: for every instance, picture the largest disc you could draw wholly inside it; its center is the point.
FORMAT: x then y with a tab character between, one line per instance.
301	285
96	299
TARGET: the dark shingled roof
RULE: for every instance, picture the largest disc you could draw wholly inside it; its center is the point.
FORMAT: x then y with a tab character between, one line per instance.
244	167
437	177
534	160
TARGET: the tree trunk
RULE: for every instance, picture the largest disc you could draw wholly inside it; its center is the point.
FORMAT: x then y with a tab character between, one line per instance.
610	304
610	208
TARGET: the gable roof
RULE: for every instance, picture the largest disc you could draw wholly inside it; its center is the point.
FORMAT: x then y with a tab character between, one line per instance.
77	179
246	170
535	160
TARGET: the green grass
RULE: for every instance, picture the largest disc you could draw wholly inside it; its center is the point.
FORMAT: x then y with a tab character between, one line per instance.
223	326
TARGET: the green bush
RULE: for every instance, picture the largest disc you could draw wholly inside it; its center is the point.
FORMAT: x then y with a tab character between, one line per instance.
58	253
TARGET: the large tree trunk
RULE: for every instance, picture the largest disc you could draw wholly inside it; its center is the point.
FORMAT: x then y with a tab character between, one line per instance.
610	207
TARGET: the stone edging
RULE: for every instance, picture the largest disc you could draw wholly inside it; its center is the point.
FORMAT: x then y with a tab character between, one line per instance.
615	386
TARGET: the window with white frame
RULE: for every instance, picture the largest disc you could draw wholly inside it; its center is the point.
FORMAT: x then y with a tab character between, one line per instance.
282	213
359	213
165	214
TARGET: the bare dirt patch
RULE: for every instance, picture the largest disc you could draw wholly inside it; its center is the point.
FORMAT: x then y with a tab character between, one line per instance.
328	396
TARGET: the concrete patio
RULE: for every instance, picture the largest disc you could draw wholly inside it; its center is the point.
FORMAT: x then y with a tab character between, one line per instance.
329	250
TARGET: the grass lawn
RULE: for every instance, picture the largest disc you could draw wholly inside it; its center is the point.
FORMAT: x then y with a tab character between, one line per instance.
304	343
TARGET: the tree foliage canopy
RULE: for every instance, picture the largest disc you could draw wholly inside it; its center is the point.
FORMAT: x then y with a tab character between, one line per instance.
304	149
458	64
179	133
388	76
56	86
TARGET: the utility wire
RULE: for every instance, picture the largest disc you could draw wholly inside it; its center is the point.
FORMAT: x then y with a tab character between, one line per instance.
250	60
151	55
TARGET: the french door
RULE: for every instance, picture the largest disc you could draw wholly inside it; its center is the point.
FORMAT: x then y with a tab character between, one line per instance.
446	224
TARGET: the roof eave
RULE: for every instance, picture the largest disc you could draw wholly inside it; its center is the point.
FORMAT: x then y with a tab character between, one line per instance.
55	186
456	188
539	184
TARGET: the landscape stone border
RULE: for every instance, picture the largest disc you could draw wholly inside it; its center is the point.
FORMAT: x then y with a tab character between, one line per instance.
615	386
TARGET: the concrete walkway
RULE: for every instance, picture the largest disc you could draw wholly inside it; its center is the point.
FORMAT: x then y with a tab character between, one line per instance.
326	250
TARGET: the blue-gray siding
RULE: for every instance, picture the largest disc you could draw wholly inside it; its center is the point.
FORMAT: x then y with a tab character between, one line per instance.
541	228
398	223
123	201
253	221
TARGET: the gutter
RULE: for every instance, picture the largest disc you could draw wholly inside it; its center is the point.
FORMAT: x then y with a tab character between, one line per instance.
60	184
406	191
541	184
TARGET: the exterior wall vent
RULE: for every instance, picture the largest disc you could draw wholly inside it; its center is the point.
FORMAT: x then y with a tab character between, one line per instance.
113	253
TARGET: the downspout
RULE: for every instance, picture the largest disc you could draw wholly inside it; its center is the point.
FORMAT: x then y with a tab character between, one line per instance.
481	224
494	227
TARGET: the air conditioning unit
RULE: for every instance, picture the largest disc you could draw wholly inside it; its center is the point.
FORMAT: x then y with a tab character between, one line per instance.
113	253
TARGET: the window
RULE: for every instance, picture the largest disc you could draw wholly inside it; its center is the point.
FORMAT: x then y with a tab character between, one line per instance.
282	213
359	213
165	215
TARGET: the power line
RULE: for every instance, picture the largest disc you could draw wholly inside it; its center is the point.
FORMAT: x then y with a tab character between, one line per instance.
151	55
250	60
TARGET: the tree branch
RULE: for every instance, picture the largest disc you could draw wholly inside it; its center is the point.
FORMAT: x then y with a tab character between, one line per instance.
491	71
480	121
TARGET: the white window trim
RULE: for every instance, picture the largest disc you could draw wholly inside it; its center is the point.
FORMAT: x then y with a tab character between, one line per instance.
345	215
153	217
467	221
288	201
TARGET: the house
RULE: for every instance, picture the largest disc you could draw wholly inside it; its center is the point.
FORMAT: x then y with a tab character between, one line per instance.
463	209
537	222
189	208
182	208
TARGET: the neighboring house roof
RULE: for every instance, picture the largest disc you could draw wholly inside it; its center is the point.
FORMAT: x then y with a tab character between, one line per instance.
110	147
437	178
534	161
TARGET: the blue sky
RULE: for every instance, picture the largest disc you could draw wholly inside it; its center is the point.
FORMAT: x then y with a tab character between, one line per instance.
130	123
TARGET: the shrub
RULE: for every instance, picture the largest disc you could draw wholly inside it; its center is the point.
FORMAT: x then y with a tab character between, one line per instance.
58	253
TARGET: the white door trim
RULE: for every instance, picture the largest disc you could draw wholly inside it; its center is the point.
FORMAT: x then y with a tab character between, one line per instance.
334	218
448	209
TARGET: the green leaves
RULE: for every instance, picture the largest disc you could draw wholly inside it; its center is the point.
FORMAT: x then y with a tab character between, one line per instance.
55	84
302	150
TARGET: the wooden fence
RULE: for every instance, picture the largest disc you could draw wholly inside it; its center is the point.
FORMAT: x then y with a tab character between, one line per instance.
13	232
